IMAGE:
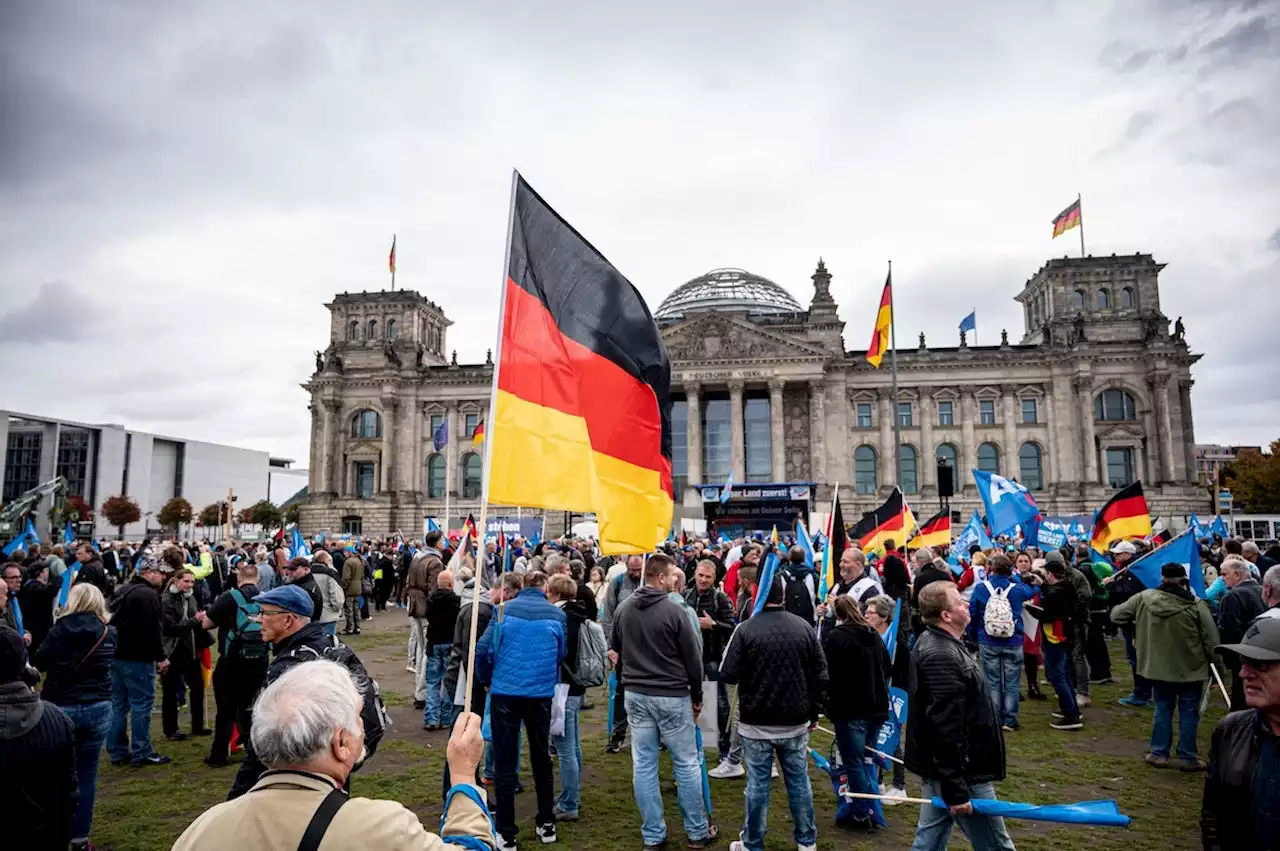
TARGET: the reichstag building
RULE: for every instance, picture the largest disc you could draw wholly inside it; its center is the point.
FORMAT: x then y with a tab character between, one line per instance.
1094	394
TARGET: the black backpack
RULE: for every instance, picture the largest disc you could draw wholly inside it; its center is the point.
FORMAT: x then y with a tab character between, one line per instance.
244	640
798	595
374	712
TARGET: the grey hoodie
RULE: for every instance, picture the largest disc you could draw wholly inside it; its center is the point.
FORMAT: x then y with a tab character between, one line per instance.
658	646
20	710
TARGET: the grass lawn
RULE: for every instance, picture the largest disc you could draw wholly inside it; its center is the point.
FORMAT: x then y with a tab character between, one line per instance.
146	809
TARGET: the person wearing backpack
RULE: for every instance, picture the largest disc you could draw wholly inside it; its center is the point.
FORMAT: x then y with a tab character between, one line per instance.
242	659
800	586
995	623
583	667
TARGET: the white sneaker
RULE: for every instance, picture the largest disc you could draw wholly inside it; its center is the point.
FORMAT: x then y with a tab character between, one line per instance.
504	845
806	848
773	771
727	770
1083	700
411	669
546	833
894	797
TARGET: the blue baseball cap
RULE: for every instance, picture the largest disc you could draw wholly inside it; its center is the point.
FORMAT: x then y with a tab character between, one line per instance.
291	598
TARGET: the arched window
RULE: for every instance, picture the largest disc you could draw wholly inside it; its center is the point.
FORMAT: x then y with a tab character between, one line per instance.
471	476
864	469
391	329
353	330
1126	297
908	469
366	424
989	458
1104	299
435	476
1030	470
1113	406
373	330
1077	300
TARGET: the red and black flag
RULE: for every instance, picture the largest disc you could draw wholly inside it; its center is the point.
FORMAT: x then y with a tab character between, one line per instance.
1124	516
837	543
581	418
892	521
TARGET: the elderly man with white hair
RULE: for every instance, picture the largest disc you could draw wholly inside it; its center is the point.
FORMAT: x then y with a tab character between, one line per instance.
307	729
1237	610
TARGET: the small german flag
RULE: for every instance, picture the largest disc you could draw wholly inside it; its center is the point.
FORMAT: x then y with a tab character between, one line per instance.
1124	516
837	543
477	437
892	521
1067	219
582	389
936	532
884	322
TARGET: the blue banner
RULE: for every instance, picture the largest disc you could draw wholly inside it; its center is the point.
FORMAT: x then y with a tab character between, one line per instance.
974	532
1099	813
529	528
890	733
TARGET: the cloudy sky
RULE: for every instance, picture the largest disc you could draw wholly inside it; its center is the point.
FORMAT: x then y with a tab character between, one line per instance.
182	185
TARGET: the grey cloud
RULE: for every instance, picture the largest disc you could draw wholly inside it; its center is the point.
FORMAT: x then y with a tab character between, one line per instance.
58	313
1138	124
1243	41
1273	241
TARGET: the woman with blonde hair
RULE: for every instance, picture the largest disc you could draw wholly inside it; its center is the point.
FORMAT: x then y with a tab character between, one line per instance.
76	659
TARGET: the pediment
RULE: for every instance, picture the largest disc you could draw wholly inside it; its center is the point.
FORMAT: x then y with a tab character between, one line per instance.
713	337
1118	431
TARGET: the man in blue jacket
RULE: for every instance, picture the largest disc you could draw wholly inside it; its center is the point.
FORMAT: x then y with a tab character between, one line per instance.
521	651
999	634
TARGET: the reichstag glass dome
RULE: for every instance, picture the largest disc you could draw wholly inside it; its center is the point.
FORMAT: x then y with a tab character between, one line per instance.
727	289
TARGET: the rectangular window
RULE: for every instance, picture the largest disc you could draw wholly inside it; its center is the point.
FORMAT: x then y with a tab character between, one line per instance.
986	412
22	463
437	420
353	526
364	479
717	457
73	459
1120	467
904	414
864	415
946	416
679	447
758	439
1029	411
473	420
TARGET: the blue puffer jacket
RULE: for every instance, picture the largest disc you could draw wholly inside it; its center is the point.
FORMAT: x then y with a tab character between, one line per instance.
525	660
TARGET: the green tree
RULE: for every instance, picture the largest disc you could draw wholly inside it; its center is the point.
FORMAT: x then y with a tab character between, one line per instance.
1254	480
120	511
264	513
174	513
213	514
291	516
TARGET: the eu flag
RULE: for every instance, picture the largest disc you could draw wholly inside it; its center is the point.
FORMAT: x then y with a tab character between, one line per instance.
970	322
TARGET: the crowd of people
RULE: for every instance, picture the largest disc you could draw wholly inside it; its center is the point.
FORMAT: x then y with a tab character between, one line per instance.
83	645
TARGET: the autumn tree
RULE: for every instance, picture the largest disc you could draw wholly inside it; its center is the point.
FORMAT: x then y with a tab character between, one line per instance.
213	514
174	513
120	511
264	513
77	510
1254	480
291	516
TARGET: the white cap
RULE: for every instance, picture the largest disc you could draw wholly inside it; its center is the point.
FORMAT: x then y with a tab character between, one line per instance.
1124	547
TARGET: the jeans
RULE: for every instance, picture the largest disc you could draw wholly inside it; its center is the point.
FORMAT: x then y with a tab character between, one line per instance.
934	828
711	671
330	627
793	754
851	738
133	692
92	721
1080	659
170	683
1003	669
569	752
419	625
1057	659
619	731
1141	685
506	714
1186	696
439	706
668	720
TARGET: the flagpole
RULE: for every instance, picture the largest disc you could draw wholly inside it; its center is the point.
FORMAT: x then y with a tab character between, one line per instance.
488	445
893	363
1080	216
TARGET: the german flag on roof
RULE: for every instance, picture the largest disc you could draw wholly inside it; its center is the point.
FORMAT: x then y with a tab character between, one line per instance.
581	417
1067	219
1124	516
892	521
936	532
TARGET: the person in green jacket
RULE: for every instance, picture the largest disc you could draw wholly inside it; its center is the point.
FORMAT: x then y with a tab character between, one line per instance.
1176	637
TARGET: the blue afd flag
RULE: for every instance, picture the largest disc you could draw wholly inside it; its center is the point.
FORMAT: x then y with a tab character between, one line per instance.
766	581
432	525
441	435
802	538
974	532
727	489
297	546
29	536
1099	813
891	634
891	731
68	535
1008	503
970	322
1197	528
1219	527
1181	550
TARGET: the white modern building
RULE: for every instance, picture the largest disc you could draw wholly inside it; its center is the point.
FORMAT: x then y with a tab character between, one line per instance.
101	460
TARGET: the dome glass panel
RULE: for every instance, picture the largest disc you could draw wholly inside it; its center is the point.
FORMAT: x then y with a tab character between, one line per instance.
727	289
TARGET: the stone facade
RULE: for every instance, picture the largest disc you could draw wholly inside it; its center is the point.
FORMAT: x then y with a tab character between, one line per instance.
1093	327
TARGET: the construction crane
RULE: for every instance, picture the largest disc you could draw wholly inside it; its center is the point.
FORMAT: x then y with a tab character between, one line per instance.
13	516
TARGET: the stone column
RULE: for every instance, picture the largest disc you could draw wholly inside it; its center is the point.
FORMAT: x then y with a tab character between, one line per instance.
1010	454
1051	447
1188	430
1160	390
693	434
390	407
968	450
777	436
1088	441
329	410
737	437
452	476
926	459
817	430
888	475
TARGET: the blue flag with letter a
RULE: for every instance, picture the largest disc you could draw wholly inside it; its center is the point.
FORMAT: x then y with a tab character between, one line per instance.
1008	503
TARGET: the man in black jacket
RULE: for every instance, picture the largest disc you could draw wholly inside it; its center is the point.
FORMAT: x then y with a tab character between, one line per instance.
242	663
715	617
953	741
91	570
298	573
927	573
1237	610
139	655
781	674
1242	786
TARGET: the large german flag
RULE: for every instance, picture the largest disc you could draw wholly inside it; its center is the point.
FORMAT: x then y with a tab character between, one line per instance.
1124	516
892	521
581	417
1067	219
884	322
936	532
